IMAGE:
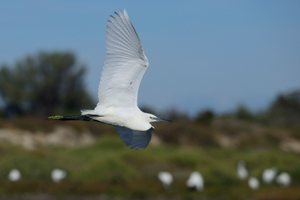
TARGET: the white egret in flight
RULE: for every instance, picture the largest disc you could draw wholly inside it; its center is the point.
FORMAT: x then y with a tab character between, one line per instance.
123	70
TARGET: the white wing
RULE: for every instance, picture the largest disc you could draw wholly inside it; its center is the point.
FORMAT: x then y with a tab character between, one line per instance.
135	139
124	66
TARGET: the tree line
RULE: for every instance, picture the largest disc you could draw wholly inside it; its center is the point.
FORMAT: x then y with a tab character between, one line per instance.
45	83
53	82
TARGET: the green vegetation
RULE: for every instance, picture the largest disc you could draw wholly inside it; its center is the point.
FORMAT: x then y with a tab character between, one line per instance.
111	168
286	109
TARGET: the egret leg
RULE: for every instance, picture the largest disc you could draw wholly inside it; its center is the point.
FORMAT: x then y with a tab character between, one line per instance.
65	118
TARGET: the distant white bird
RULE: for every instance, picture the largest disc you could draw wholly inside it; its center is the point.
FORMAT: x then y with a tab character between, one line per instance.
14	175
58	175
253	183
165	178
283	179
123	70
195	181
269	175
241	170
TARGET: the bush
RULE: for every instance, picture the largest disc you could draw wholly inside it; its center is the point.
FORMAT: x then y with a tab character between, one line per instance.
205	117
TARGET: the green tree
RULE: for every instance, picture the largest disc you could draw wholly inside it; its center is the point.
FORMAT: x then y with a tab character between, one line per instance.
205	117
286	108
174	115
243	113
44	83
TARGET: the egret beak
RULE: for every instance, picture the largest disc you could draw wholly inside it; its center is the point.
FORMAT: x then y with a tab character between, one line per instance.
157	119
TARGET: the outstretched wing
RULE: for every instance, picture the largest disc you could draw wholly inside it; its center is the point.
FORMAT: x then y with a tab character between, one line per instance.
135	139
125	63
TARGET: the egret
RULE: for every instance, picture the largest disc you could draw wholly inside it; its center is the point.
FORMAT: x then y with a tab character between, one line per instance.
195	181
242	171
124	67
283	179
58	175
253	183
14	175
269	175
165	178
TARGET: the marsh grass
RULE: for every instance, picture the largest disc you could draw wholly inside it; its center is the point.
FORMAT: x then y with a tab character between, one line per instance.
111	168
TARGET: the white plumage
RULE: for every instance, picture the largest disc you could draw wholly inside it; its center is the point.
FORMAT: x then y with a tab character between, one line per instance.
195	181
14	175
242	171
283	179
58	175
123	70
124	67
165	178
253	183
269	175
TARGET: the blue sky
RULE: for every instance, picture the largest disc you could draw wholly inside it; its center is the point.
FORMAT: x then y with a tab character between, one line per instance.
203	54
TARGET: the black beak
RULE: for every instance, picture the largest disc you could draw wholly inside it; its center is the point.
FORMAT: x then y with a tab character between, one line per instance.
161	120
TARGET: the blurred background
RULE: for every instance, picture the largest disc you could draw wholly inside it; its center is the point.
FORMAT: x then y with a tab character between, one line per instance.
226	73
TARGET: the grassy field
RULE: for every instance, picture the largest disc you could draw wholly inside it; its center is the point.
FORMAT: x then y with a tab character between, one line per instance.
108	167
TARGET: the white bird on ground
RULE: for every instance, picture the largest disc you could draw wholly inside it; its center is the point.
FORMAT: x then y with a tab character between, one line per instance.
165	178
269	175
14	175
253	183
195	181
123	70
58	175
283	179
241	170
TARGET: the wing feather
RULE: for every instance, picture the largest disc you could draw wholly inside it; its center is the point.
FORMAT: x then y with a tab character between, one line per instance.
135	139
124	66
